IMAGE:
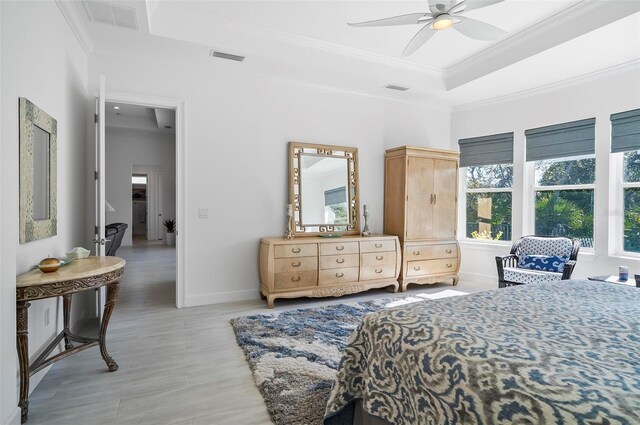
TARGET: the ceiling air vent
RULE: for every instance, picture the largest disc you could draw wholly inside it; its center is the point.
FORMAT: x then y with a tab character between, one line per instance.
394	87
223	55
111	14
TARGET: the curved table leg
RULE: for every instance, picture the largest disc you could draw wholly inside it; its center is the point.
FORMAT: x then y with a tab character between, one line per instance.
66	314
22	323
112	296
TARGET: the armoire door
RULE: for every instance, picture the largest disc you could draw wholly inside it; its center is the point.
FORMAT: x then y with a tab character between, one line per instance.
445	176
419	191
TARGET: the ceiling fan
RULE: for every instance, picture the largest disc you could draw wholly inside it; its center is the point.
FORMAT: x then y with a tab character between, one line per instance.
440	17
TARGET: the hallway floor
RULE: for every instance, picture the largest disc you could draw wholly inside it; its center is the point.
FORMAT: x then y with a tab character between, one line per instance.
177	366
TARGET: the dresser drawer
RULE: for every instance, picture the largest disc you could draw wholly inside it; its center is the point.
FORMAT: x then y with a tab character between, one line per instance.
295	264
339	248
338	275
339	261
377	272
378	259
297	279
444	265
425	252
296	250
378	246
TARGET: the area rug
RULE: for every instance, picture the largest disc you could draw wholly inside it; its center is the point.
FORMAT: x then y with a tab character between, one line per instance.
294	355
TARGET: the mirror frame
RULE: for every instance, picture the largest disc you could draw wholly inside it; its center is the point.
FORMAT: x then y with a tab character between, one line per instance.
295	199
30	116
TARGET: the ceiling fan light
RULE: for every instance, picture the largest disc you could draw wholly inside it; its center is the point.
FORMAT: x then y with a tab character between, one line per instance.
442	22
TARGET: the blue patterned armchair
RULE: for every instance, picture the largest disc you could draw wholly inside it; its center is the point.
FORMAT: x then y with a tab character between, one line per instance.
536	259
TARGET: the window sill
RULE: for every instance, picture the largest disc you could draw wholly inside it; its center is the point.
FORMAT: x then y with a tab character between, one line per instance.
626	256
480	243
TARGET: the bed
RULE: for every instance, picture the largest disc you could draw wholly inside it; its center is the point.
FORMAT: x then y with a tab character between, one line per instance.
551	353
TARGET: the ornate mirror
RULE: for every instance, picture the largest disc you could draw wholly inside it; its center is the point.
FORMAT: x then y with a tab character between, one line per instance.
38	139
323	189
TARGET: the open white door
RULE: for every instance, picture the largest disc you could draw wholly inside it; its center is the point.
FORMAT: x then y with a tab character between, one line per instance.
99	239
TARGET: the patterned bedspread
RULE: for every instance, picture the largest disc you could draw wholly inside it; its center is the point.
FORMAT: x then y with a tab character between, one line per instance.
556	353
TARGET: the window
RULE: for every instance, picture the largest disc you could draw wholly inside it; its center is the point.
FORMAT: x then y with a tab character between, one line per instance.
564	198
335	206
139	179
625	138
564	179
489	178
631	201
488	200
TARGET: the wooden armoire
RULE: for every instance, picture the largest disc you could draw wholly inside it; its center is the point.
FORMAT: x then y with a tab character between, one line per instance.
420	207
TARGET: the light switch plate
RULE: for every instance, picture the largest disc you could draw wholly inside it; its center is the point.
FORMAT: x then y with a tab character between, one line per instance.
203	212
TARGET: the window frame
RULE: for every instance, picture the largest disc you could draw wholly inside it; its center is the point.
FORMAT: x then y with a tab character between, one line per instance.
535	188
466	190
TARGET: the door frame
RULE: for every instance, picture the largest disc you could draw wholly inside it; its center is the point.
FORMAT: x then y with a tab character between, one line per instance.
179	105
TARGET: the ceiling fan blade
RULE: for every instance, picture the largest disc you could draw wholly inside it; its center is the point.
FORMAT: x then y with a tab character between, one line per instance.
477	4
457	6
477	29
437	7
419	39
411	18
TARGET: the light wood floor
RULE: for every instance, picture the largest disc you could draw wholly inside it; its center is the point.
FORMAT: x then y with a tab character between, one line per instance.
177	366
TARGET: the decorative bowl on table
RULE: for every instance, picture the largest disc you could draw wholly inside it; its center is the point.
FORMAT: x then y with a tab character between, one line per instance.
78	253
49	265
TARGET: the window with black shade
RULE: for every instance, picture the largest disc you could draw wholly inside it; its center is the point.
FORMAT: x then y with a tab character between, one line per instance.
564	179
488	186
625	143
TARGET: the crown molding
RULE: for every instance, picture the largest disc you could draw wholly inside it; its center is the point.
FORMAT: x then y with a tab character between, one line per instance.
573	22
569	82
77	24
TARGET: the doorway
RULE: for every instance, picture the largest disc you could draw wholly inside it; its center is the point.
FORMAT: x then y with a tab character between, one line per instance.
140	185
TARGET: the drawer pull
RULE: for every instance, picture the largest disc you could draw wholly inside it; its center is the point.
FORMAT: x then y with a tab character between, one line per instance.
340	247
448	251
379	257
449	265
339	274
416	268
296	263
378	271
378	245
295	250
295	278
339	260
416	253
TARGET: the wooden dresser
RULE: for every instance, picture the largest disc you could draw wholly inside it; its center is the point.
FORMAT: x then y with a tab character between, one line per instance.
420	207
327	267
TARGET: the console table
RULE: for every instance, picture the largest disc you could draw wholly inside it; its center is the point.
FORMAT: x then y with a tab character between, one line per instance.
80	275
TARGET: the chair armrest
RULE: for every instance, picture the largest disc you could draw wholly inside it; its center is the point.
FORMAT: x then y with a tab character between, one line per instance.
568	269
510	260
504	261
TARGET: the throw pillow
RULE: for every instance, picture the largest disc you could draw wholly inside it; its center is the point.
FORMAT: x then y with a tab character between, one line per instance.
547	263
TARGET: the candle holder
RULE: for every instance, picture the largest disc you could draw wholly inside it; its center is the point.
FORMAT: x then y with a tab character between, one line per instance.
289	233
365	229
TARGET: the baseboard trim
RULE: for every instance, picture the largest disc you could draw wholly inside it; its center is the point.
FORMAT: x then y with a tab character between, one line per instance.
478	278
15	418
221	297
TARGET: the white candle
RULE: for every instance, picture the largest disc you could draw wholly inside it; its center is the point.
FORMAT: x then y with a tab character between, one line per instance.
364	208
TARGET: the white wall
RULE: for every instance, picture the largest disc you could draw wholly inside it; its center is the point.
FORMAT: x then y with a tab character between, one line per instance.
597	98
237	129
42	61
126	148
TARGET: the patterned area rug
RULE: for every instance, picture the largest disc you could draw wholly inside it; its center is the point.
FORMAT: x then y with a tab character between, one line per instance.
294	355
